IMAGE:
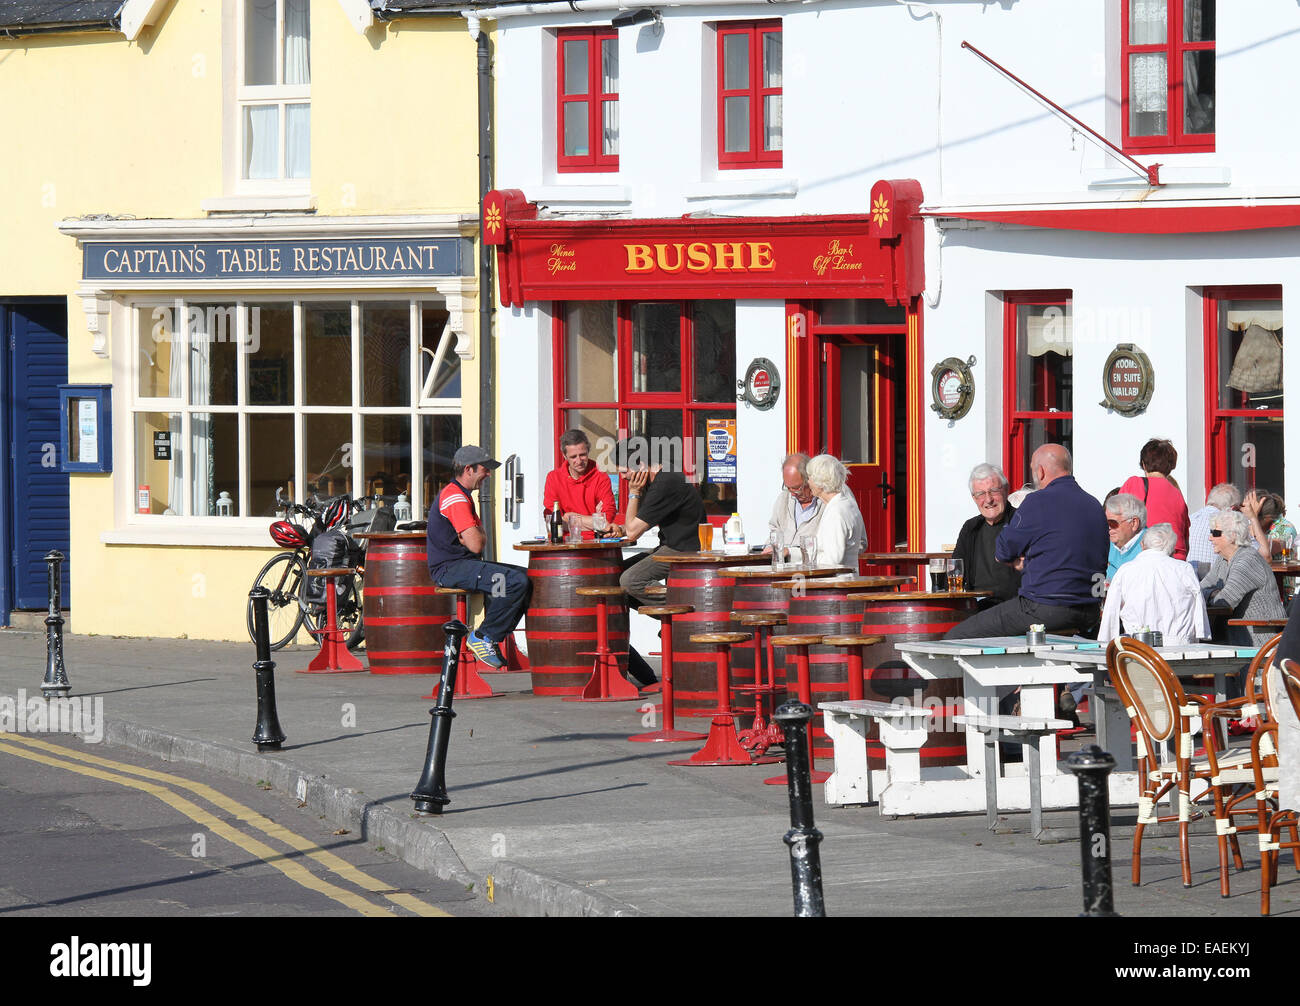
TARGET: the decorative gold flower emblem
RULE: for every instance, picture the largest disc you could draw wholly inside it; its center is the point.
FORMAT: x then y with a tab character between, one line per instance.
880	211
493	218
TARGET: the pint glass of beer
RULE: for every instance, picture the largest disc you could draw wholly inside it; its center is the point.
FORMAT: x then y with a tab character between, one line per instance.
956	574
939	575
706	537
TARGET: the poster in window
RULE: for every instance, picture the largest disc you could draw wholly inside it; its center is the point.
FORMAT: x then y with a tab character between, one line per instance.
86	443
720	442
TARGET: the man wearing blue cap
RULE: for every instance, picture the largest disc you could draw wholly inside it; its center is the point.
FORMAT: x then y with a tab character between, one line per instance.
455	547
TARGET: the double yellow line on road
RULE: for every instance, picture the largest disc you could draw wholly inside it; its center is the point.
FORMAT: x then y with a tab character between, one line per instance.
22	746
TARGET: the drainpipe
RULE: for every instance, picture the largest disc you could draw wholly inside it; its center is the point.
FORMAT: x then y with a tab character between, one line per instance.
487	353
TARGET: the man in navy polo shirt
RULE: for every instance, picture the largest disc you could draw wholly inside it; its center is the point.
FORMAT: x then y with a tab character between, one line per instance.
1059	539
455	547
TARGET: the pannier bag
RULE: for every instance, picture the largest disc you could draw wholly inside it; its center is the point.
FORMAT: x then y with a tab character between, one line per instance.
328	551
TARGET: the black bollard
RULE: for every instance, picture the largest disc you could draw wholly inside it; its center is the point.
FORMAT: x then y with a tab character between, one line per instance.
430	793
55	683
1092	766
267	735
802	838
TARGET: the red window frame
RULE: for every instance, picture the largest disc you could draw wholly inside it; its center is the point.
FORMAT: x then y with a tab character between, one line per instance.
757	156
1016	420
1219	467
1173	48
595	98
628	401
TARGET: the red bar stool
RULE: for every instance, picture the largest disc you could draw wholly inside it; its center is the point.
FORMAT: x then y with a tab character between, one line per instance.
670	732
659	592
764	732
852	646
469	684
798	652
607	683
334	657
723	746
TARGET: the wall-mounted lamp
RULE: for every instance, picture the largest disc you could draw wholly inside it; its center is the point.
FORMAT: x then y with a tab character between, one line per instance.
642	15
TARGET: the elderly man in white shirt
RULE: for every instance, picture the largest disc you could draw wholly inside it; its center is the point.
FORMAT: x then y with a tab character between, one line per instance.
1156	591
797	510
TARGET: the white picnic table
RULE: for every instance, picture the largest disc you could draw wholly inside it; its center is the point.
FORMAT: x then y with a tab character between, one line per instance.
993	667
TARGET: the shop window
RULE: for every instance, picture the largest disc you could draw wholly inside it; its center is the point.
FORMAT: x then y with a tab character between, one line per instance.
1038	384
656	370
273	94
1167	49
246	398
749	94
1243	382
587	98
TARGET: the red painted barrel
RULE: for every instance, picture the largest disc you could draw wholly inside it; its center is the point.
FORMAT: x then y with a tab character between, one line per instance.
402	610
906	618
559	624
821	607
702	581
756	590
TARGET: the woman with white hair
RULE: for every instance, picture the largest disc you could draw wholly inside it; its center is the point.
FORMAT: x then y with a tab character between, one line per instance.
1156	591
1240	578
841	535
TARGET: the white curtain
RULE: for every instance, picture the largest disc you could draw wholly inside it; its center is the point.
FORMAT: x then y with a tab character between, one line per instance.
297	39
201	422
1049	332
297	141
261	141
175	391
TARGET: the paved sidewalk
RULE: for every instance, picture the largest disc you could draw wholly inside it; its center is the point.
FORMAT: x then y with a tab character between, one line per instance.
555	813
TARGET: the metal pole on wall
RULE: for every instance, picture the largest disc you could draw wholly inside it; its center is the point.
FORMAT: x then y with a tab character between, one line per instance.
487	356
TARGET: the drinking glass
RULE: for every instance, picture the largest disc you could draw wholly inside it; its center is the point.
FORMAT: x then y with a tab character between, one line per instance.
808	546
939	575
956	574
706	537
575	529
777	545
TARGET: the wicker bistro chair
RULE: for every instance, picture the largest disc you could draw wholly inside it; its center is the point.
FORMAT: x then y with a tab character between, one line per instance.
1279	792
1162	713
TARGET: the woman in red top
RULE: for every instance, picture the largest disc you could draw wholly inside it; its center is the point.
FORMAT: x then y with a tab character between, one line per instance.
1163	498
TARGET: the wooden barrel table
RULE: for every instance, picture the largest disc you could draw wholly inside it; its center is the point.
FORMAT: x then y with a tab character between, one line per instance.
755	590
915	616
559	624
701	580
821	607
400	605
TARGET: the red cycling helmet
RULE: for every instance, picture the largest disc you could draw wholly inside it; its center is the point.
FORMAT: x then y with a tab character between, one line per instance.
336	513
287	535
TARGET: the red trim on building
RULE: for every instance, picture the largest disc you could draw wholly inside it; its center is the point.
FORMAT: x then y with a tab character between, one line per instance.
1118	219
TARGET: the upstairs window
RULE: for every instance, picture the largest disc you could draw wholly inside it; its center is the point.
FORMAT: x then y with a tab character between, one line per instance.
274	91
587	124
1168	53
749	94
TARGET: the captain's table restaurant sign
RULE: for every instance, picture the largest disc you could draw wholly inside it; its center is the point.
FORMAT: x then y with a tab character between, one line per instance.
283	261
877	254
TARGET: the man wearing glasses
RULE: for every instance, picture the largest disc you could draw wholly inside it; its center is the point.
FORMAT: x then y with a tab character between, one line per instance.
979	536
796	512
1126	519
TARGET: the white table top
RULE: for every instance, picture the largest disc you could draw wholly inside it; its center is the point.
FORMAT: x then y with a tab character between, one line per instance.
994	645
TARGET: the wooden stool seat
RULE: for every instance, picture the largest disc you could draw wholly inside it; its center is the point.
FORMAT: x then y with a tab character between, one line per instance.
666	610
449	590
600	591
760	617
728	638
333	571
852	640
796	640
656	590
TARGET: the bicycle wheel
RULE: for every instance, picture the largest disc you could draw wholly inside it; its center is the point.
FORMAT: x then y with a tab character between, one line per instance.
282	576
349	613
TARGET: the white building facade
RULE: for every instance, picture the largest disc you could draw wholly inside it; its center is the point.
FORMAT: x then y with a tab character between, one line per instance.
854	193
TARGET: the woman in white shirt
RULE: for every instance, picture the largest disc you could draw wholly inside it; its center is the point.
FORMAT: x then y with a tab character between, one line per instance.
841	535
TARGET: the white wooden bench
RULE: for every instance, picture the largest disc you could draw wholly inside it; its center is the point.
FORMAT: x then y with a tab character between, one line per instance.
902	733
1022	728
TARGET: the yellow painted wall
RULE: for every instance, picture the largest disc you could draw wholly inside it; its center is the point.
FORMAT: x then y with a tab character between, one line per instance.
94	124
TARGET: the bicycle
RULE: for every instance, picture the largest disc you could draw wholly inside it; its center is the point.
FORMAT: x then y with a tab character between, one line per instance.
293	602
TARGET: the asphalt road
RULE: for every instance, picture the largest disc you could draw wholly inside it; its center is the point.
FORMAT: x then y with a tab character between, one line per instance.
88	831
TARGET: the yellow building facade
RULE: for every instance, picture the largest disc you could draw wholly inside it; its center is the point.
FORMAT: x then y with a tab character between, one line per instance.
261	217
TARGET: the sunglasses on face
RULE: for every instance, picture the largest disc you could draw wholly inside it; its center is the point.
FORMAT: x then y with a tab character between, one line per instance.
1216	533
1113	524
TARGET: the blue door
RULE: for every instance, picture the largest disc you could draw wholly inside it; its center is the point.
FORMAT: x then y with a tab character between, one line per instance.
35	488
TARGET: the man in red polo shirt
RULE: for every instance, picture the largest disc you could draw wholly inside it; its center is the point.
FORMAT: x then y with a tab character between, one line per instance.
578	485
